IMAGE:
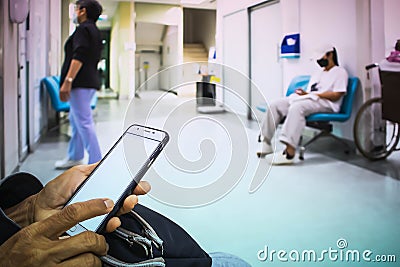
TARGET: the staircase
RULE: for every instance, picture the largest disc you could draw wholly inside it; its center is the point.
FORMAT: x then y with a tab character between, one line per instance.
194	53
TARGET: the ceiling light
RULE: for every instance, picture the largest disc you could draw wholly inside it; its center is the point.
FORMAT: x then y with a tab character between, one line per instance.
192	2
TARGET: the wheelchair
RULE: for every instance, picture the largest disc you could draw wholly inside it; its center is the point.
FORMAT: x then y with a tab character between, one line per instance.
376	126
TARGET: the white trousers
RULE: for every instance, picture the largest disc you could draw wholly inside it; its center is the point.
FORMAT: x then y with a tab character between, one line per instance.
295	113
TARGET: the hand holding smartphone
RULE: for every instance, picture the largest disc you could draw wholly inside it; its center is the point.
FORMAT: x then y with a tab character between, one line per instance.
119	172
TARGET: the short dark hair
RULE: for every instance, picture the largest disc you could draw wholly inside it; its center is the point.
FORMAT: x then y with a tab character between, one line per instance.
93	8
397	45
334	56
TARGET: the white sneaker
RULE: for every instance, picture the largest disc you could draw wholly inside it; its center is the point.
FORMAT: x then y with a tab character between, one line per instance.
265	150
66	163
281	159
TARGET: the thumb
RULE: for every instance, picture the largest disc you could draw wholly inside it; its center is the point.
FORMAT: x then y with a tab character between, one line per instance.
69	216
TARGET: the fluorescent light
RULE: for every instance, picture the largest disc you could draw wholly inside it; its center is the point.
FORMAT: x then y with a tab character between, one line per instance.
192	2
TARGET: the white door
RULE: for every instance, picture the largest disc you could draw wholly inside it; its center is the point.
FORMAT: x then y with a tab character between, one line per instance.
236	62
23	127
265	39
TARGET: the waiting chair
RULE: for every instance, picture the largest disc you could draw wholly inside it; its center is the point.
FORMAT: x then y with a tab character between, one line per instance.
52	85
323	121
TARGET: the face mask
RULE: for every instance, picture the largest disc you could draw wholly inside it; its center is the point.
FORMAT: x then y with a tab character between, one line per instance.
75	18
322	62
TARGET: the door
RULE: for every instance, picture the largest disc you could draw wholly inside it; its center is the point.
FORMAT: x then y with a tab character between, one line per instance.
265	65
23	128
2	171
104	64
236	62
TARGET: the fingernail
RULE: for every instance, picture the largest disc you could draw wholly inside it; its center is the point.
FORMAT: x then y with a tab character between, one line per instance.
109	203
107	247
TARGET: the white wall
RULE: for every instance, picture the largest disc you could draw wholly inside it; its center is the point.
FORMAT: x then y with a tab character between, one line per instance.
56	45
170	55
122	50
10	92
38	56
391	23
166	15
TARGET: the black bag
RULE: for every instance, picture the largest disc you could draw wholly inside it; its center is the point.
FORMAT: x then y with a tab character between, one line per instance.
147	238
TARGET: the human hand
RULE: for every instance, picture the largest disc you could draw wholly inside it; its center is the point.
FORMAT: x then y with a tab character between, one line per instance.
300	91
57	192
39	244
65	91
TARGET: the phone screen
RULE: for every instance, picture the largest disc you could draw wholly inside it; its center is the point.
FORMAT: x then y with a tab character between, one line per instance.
126	162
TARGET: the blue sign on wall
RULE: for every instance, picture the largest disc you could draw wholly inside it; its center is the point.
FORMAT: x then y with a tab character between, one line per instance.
290	47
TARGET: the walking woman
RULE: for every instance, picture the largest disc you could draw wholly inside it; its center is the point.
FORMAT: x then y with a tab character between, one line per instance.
79	82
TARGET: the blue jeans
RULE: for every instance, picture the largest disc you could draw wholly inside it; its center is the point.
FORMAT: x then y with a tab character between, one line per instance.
220	259
83	131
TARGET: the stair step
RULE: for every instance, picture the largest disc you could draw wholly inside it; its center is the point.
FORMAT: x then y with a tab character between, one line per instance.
199	54
194	45
195	50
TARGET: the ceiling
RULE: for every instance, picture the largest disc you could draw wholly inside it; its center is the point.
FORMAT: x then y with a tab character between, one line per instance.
109	6
149	35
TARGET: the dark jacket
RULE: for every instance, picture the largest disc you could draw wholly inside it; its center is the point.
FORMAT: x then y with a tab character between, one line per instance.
13	190
83	45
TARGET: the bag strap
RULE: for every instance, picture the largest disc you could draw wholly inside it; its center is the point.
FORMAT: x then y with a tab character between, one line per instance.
131	237
109	261
149	232
150	237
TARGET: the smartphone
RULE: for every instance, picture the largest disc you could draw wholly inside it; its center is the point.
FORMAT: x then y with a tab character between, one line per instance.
119	172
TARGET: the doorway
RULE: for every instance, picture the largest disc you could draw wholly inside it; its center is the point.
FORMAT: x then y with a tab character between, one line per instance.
104	64
265	65
23	110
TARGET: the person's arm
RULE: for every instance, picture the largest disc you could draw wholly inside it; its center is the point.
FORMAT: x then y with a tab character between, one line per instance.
332	96
66	86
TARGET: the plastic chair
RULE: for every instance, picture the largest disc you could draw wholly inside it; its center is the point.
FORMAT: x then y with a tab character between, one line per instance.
53	89
323	121
52	85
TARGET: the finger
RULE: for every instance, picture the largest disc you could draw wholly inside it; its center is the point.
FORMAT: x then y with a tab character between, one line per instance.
142	188
55	225
83	243
113	224
129	204
87	260
87	169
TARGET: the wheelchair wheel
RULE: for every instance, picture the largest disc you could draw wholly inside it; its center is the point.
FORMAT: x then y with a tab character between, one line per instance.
374	137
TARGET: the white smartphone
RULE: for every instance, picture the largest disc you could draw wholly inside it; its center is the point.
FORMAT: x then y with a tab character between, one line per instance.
119	172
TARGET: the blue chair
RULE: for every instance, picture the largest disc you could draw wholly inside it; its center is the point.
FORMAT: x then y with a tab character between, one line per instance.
323	121
52	85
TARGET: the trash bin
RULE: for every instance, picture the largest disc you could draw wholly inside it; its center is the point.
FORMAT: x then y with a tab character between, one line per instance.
205	94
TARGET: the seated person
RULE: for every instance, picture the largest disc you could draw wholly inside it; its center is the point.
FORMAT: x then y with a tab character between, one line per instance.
324	94
392	62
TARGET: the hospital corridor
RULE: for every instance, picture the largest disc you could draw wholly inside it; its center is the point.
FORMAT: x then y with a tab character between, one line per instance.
267	130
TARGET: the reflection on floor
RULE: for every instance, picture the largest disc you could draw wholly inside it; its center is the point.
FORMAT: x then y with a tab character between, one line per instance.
308	206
